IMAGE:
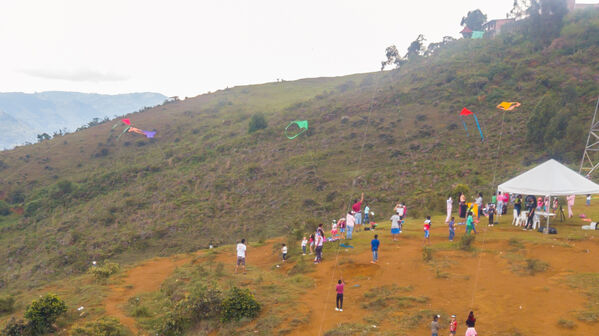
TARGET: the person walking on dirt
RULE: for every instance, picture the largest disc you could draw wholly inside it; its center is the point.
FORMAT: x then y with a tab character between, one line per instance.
350	221
339	299
470	223
241	255
435	326
374	244
319	245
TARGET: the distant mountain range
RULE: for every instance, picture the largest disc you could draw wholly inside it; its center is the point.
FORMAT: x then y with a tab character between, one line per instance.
25	115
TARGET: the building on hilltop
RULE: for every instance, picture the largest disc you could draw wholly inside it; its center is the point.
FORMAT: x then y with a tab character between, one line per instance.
572	5
466	32
494	27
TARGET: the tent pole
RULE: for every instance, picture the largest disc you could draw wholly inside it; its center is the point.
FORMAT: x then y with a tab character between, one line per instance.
548	212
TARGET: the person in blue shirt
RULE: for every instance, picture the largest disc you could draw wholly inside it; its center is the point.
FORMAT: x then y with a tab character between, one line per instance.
375	249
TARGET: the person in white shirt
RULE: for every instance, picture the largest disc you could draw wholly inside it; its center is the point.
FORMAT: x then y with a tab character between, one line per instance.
350	221
304	244
284	252
241	254
395	226
319	245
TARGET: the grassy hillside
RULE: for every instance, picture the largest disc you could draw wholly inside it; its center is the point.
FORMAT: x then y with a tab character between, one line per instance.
394	135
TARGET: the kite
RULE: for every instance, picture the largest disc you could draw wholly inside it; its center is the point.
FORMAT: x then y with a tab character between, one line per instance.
508	106
301	124
126	121
466	112
148	134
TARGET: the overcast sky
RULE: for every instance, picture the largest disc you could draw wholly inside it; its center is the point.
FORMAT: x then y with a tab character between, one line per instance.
186	48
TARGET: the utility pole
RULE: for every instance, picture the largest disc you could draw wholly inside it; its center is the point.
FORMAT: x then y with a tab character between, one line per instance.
590	158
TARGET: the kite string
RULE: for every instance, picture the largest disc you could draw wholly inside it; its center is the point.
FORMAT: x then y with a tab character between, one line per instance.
358	165
498	152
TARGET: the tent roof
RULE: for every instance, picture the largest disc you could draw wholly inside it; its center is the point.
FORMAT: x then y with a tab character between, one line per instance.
550	178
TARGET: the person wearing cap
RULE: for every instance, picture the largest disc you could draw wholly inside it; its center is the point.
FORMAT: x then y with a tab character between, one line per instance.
453	326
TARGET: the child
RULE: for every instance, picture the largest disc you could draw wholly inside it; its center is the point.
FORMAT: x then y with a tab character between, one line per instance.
312	239
395	226
435	326
427	228
453	326
588	199
339	300
451	228
470	223
334	229
341	226
491	213
304	243
374	244
284	252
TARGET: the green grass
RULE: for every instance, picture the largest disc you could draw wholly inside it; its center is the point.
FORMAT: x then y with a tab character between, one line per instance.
588	283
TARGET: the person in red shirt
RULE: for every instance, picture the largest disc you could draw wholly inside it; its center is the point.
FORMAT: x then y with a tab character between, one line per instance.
357	209
339	300
453	326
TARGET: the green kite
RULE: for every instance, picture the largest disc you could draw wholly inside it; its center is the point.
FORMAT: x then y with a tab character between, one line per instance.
301	124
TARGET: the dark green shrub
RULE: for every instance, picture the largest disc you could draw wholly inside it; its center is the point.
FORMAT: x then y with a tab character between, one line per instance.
16	197
4	208
7	305
257	122
32	207
465	243
203	303
172	325
106	326
238	304
16	328
43	312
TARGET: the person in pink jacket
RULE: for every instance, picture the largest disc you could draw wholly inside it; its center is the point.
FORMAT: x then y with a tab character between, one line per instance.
570	200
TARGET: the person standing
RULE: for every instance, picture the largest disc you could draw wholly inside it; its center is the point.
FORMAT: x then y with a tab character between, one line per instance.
241	255
374	244
304	244
339	299
453	326
530	218
350	221
470	223
570	200
435	326
462	200
395	226
470	322
479	204
357	209
451	225
366	215
499	204
588	199
449	208
283	253
517	209
427	230
341	223
319	245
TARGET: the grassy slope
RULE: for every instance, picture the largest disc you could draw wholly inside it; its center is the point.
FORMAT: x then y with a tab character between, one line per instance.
204	178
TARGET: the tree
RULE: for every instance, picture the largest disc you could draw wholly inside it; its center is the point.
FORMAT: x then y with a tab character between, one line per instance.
433	47
519	9
474	20
43	312
257	122
4	208
546	19
393	57
43	136
416	48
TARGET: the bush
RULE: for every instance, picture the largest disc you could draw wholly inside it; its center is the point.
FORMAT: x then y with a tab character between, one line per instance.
427	254
43	312
7	305
203	303
16	197
32	207
465	243
566	324
104	271
239	303
106	326
15	328
4	208
534	266
257	122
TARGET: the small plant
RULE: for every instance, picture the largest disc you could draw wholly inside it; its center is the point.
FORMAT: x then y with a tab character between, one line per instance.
257	122
104	271
239	303
4	208
106	326
43	312
141	311
465	243
534	266
517	244
15	328
427	254
566	324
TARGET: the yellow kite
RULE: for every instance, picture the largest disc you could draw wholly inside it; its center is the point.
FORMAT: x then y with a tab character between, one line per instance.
508	106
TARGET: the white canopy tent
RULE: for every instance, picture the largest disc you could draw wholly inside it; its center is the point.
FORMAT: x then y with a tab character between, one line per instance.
550	179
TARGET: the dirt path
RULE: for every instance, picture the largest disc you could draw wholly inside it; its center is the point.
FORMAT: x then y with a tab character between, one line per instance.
146	277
